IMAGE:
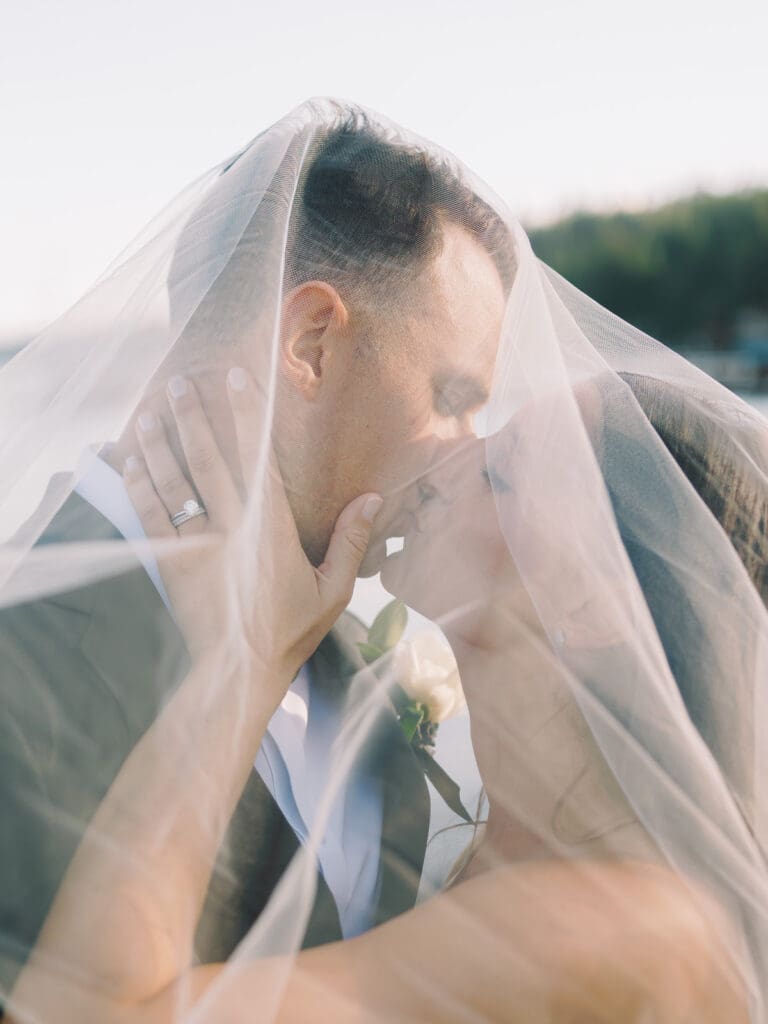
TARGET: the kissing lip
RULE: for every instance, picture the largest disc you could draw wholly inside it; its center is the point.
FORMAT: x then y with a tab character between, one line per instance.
393	526
377	555
404	525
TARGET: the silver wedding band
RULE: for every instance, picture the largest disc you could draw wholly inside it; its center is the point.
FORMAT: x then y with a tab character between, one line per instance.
190	510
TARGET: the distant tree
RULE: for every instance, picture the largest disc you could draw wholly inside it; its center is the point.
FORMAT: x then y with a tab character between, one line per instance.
683	269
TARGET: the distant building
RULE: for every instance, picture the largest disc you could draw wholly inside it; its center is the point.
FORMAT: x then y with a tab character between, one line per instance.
8	352
737	370
743	366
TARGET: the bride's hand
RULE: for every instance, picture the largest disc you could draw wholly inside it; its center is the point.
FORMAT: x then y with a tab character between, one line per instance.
238	571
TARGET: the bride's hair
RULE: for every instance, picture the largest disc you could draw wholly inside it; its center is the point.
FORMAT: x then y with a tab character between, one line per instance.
729	476
727	468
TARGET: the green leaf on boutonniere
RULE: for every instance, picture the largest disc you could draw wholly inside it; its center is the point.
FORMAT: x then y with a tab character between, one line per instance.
444	785
388	626
400	698
370	652
410	720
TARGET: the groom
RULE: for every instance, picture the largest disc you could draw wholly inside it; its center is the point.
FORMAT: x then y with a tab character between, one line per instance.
388	341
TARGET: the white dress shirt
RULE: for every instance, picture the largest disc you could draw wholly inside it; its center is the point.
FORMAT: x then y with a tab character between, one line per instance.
296	754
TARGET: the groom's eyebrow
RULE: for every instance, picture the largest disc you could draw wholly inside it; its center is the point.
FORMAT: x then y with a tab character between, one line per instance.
456	393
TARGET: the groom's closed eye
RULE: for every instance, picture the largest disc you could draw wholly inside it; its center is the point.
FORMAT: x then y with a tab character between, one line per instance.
457	394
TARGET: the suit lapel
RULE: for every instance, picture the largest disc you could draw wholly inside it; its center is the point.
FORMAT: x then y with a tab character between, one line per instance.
405	824
131	641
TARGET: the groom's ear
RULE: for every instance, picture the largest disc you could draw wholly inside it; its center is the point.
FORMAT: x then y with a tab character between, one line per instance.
313	320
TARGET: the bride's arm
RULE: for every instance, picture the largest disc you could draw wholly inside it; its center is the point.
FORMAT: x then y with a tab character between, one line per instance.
125	914
545	943
123	921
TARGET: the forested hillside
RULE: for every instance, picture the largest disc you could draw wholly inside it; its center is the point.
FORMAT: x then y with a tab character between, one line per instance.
686	272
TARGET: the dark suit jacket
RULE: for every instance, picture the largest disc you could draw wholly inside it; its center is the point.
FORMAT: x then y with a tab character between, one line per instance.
83	674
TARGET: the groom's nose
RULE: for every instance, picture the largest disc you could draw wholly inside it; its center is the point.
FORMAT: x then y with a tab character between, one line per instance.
451	428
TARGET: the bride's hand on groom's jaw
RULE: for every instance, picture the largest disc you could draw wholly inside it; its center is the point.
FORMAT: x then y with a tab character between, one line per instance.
239	569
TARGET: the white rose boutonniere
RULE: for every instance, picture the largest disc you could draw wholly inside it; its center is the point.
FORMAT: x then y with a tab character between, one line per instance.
427	690
428	674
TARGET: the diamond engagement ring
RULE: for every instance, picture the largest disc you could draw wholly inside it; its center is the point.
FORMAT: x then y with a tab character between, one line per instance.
190	510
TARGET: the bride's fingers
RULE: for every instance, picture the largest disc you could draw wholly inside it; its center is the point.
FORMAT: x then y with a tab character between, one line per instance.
145	499
172	487
251	435
349	542
258	459
207	467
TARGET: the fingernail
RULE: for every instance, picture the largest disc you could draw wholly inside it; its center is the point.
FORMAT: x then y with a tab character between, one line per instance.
372	507
177	387
146	421
131	464
237	379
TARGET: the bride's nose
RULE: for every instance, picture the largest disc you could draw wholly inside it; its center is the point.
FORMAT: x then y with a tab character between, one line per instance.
435	475
451	460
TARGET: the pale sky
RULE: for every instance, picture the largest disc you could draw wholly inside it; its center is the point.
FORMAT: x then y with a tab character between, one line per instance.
108	107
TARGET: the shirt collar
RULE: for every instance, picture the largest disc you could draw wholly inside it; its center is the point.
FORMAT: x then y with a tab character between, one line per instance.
103	488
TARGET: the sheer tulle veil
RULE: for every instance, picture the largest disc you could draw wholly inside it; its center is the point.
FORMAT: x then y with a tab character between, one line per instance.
630	491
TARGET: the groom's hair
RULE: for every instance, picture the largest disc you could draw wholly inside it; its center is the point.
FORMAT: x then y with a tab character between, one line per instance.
368	216
372	212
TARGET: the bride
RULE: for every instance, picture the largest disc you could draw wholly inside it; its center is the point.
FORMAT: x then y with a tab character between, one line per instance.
666	954
594	560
